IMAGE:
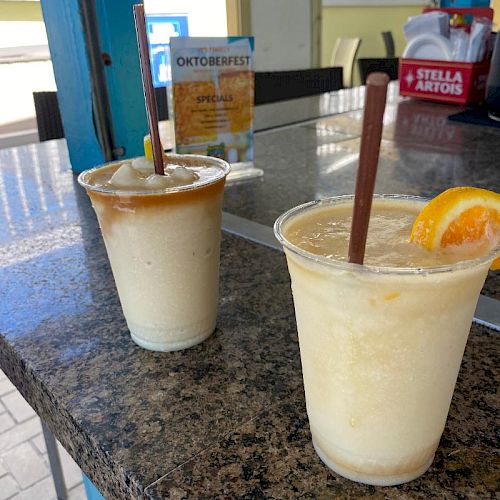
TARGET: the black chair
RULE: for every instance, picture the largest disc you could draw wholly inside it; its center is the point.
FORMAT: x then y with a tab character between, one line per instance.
390	50
273	86
161	103
48	117
385	65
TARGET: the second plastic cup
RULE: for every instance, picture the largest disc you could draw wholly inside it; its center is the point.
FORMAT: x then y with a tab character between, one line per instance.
163	247
380	350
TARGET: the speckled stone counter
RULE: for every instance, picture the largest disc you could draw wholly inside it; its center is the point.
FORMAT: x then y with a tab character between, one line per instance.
422	153
225	419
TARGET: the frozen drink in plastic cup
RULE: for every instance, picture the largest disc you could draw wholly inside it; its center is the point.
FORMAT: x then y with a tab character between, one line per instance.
162	236
380	343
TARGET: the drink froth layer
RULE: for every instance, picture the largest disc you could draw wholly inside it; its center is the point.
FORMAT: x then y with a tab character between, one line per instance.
135	194
325	231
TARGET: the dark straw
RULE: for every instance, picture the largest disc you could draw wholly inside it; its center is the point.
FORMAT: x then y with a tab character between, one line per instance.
147	85
375	97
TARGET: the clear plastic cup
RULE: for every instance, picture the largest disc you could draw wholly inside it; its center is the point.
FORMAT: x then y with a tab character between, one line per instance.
164	246
380	348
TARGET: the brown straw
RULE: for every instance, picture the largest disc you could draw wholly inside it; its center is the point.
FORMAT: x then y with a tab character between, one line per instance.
375	97
147	85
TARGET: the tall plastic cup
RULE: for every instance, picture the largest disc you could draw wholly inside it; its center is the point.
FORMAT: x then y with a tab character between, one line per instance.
380	348
163	246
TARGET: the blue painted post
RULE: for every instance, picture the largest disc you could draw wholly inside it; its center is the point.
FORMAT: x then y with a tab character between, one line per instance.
92	492
118	39
69	55
71	72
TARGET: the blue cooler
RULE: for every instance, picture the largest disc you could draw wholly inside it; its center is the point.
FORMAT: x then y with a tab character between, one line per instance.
91	490
464	3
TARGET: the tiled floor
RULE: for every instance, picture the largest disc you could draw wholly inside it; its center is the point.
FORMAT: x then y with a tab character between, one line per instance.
24	466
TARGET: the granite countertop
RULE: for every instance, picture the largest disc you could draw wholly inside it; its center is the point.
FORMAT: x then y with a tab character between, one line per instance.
226	418
422	153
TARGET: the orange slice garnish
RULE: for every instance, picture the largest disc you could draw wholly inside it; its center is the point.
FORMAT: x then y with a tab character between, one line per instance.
459	216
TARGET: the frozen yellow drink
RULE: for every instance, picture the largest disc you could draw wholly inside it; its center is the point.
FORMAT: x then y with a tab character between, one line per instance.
381	344
162	235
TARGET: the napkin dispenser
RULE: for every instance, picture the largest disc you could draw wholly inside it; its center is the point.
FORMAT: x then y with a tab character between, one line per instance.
451	82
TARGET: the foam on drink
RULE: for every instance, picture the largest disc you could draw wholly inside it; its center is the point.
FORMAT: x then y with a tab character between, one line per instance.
388	242
139	174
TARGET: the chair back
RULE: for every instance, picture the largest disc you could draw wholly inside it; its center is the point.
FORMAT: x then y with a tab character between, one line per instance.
161	103
344	54
48	117
390	50
389	65
273	86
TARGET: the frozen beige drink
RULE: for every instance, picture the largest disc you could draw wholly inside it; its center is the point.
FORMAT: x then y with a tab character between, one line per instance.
162	235
381	344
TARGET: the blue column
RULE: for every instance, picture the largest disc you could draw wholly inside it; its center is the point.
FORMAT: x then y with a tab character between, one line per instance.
69	55
118	39
71	71
91	491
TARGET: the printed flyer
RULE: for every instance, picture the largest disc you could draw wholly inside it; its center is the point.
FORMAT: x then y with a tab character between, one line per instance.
213	95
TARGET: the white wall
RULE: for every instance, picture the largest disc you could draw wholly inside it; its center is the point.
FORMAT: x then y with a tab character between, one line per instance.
22	33
205	17
282	31
282	28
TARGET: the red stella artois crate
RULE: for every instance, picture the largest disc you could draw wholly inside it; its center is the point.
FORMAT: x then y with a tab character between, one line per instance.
443	81
446	81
